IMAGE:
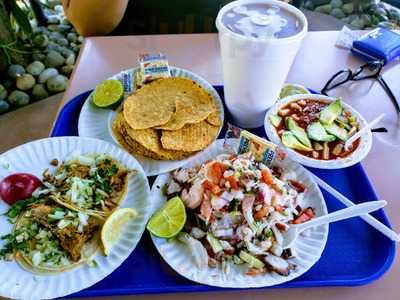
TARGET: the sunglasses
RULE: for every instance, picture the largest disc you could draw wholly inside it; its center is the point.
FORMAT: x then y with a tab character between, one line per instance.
370	70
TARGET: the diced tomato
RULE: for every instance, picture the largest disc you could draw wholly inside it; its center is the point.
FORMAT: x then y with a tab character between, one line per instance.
214	188
297	185
232	157
219	169
309	211
255	272
280	208
261	213
232	182
267	177
280	226
304	216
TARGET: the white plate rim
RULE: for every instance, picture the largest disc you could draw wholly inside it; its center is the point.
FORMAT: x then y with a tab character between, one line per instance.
46	287
89	114
358	155
159	243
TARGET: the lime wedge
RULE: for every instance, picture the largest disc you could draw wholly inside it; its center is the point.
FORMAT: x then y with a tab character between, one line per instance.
169	220
108	93
292	89
113	226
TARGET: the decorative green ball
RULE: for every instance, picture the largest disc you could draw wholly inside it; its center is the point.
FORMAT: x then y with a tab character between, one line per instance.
70	59
54	59
15	70
336	3
57	83
4	106
35	68
3	92
25	82
38	56
67	70
40	40
337	13
39	91
18	98
46	74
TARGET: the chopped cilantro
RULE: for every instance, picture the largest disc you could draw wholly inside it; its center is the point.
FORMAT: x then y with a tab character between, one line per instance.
19	206
234	205
268	233
12	243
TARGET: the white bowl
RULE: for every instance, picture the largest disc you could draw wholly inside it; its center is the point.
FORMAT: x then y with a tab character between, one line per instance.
359	154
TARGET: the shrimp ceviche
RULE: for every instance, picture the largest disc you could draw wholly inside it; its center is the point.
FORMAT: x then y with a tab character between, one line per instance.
237	209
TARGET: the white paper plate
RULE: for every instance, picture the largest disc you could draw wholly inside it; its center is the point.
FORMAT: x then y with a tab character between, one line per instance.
357	156
34	158
309	248
96	123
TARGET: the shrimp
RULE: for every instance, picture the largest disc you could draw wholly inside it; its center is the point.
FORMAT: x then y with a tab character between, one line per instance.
206	209
194	196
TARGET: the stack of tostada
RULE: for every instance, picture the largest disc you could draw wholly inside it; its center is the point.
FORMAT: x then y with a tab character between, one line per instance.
168	119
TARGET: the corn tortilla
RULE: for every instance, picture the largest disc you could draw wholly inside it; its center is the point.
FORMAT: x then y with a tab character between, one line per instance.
193	104
143	142
192	137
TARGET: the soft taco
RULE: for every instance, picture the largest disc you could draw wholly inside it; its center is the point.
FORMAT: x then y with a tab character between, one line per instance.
54	238
92	183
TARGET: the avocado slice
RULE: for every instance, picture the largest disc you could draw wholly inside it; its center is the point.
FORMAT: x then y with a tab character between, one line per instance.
252	261
337	131
289	140
275	120
317	132
331	112
299	132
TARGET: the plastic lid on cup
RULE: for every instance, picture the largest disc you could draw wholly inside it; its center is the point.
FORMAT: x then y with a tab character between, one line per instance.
261	19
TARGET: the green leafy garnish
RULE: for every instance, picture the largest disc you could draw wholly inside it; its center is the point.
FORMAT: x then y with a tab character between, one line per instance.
19	206
11	243
268	233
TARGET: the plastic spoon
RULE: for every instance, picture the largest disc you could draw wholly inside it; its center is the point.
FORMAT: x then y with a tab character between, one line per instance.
358	134
294	230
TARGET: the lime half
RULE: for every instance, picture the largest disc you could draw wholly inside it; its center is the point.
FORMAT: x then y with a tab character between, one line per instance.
169	220
108	93
292	89
113	226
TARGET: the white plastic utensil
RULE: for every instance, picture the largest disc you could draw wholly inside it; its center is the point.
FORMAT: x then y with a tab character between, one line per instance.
358	134
294	230
367	218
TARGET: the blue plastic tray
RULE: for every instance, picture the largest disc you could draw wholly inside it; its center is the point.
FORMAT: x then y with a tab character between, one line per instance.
355	254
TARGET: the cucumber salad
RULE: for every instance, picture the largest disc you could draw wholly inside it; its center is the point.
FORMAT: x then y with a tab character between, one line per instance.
237	209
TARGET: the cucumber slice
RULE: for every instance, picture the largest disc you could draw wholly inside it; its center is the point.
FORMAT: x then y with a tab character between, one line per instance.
342	124
289	140
214	243
317	132
252	261
337	131
275	120
299	132
331	112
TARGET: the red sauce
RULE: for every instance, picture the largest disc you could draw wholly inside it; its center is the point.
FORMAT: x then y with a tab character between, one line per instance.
308	114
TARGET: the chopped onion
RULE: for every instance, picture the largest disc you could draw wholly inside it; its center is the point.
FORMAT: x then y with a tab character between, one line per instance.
196	248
